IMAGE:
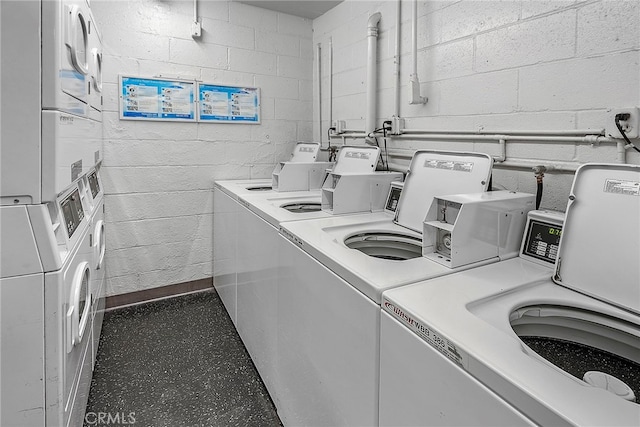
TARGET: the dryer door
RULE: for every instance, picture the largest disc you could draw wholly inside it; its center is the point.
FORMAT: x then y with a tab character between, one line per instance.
77	39
79	310
100	244
97	70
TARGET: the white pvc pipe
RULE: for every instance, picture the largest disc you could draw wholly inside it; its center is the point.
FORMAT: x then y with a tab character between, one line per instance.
589	139
372	78
319	87
330	83
622	152
396	61
510	132
414	82
552	166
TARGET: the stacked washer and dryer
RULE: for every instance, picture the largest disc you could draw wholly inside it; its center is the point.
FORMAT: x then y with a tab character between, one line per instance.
51	210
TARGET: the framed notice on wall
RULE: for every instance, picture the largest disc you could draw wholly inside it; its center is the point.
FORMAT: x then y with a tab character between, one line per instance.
228	104
157	99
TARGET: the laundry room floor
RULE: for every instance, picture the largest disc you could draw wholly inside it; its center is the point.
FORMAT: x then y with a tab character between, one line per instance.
177	362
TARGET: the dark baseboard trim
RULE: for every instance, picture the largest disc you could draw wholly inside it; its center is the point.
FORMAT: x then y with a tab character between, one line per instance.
137	297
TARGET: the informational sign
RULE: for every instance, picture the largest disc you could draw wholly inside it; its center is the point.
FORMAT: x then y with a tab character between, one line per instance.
228	104
157	99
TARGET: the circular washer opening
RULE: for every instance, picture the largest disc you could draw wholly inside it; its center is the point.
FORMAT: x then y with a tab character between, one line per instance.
302	207
260	188
579	341
391	246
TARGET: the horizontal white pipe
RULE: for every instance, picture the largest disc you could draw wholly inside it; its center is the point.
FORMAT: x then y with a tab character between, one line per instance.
543	136
508	132
553	166
589	139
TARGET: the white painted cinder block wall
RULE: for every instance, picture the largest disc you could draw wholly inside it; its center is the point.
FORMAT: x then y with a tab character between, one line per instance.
493	65
158	176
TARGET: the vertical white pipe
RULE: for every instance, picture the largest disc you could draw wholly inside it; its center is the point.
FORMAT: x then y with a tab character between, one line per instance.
372	78
319	93
414	82
396	61
330	83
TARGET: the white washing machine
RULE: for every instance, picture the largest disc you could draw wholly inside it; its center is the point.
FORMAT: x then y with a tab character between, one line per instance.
331	277
250	227
46	312
92	185
420	385
225	224
550	347
226	210
257	269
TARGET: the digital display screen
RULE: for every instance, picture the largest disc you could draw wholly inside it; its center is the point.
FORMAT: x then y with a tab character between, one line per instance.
542	241
393	198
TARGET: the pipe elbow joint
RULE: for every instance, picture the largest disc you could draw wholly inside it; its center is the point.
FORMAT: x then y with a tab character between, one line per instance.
374	20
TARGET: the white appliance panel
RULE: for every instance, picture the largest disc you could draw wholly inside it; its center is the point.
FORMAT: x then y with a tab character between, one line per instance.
328	346
412	371
69	146
20	103
21	327
225	228
18	249
257	295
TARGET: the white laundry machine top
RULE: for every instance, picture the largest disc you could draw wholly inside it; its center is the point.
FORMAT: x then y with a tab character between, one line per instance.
281	207
435	173
563	350
305	152
382	250
596	255
302	152
236	187
357	159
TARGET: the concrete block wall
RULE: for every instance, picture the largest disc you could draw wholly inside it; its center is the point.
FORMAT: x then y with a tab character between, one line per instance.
492	65
158	176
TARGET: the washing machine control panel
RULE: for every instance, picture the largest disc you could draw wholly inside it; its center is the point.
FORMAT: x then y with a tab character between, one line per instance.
542	236
72	211
394	196
94	184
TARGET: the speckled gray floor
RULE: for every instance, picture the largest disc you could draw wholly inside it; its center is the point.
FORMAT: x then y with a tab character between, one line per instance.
177	362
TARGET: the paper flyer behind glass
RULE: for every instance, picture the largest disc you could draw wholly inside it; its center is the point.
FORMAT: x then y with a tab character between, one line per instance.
157	99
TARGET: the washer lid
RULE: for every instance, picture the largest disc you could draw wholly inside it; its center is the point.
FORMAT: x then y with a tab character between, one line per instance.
600	245
305	152
357	159
439	173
